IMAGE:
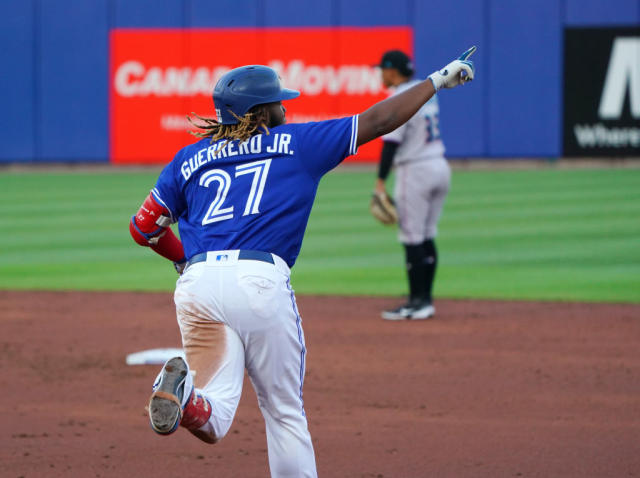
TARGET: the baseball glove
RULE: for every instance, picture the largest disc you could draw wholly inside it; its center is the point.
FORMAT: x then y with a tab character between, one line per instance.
383	208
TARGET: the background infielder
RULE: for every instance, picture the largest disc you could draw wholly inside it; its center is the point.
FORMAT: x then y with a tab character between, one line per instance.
422	182
242	196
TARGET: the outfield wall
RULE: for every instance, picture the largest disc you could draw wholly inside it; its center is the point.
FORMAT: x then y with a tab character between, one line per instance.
55	79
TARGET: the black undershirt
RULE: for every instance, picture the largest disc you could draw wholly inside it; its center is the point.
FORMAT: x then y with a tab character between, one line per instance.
386	159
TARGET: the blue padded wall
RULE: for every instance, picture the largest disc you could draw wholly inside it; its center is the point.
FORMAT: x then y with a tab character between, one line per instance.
72	80
17	81
525	78
299	13
54	81
224	13
367	13
597	12
463	112
149	13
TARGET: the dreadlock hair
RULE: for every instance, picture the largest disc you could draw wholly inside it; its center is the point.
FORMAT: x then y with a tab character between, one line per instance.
247	125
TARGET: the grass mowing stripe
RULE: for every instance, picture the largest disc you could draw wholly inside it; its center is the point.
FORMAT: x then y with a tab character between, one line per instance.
558	231
545	234
527	195
538	257
527	219
56	206
566	283
553	205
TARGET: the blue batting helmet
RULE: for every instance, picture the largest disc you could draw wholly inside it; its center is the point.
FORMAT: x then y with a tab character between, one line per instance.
242	88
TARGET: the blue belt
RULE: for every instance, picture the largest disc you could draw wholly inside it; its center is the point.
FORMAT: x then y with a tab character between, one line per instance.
243	255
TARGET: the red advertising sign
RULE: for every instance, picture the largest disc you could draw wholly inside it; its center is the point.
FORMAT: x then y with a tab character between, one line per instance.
159	76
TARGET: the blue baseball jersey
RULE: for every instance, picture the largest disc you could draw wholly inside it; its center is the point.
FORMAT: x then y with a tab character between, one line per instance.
256	194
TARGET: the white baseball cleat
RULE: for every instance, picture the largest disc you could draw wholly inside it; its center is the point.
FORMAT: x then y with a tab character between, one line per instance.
166	409
399	313
423	312
165	405
410	311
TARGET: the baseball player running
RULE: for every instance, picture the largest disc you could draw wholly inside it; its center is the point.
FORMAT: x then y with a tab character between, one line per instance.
242	196
422	182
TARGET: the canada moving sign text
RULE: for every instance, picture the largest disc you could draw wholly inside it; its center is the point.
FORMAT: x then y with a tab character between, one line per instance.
160	76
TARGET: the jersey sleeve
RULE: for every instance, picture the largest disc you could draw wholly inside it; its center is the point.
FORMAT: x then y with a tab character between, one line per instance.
167	192
323	145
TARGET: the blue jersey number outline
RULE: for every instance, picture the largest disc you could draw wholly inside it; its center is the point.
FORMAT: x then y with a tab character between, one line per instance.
433	127
216	213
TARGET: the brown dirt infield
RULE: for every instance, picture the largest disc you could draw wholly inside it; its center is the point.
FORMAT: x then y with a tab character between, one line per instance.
488	389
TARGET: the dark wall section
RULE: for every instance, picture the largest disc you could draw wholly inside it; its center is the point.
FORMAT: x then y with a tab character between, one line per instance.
54	91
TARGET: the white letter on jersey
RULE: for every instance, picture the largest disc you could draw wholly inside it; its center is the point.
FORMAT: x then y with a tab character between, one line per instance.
283	145
274	147
256	144
243	148
186	170
624	69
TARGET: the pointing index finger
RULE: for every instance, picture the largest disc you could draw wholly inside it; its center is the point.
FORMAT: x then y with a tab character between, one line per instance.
468	53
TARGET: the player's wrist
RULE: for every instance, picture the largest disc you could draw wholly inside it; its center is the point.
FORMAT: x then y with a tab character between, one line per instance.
437	80
180	265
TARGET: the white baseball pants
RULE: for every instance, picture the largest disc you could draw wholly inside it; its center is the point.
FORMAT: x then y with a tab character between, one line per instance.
420	190
235	314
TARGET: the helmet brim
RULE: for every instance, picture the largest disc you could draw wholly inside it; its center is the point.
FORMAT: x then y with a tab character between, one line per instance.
287	94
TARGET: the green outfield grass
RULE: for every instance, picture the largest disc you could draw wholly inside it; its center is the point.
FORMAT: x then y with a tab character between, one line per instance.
536	234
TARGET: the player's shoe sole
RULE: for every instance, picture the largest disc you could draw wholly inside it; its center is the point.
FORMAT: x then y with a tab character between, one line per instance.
165	405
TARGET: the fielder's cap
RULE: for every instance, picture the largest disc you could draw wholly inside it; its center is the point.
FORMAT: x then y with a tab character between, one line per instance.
399	60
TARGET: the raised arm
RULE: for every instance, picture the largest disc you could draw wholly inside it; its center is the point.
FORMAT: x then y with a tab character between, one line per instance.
387	115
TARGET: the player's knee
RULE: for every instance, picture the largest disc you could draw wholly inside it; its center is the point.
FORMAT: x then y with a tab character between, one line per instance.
214	430
413	253
223	413
429	246
206	434
222	428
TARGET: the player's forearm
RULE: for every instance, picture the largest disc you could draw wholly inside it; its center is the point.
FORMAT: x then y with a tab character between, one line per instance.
387	115
149	227
169	247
